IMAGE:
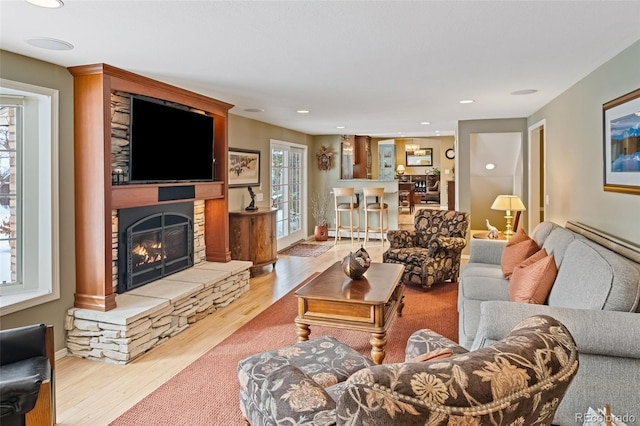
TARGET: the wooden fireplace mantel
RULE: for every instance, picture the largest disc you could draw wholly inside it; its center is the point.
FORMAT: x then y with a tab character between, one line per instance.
96	197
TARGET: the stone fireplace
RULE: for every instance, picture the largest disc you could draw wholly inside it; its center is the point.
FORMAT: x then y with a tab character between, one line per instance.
160	292
106	322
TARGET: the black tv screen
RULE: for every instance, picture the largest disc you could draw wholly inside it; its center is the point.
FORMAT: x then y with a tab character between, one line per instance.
168	143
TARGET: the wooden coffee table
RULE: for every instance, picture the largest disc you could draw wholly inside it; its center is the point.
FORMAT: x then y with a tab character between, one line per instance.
334	300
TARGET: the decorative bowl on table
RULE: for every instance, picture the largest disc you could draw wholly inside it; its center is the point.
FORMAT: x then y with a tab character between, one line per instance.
356	264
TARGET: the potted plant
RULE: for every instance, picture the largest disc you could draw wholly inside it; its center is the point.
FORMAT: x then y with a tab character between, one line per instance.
435	171
319	210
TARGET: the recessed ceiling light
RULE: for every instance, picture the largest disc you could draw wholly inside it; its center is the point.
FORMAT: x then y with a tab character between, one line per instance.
425	122
339	127
524	92
49	43
254	110
490	166
51	4
303	111
467	101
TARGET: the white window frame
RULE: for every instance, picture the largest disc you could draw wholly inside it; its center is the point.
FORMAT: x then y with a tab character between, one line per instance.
39	256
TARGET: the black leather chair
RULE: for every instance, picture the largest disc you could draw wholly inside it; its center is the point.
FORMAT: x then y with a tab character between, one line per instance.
27	365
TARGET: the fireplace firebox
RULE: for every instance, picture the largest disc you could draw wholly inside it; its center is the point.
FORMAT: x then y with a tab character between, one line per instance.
153	242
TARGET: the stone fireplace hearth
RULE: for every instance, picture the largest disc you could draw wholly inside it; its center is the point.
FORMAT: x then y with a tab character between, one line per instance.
149	315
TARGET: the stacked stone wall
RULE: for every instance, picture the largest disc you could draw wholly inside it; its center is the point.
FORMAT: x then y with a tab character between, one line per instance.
122	343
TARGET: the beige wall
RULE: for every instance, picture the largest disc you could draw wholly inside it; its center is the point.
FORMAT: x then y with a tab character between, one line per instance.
31	71
324	180
246	133
575	150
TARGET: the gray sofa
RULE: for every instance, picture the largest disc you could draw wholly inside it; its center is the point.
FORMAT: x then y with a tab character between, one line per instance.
596	294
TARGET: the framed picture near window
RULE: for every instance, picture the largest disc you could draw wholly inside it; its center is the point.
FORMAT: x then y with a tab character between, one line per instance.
420	157
621	142
243	167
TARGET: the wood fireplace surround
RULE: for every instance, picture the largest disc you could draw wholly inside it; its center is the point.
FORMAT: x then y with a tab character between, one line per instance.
95	197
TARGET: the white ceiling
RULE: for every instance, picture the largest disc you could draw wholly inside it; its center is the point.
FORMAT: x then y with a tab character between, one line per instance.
376	67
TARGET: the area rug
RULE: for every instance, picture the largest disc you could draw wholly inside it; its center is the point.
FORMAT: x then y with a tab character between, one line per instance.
207	391
306	250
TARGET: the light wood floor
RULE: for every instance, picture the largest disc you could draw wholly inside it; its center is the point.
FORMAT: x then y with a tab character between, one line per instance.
95	393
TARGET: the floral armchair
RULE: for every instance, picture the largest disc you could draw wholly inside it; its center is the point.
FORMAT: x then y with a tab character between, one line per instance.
519	380
431	252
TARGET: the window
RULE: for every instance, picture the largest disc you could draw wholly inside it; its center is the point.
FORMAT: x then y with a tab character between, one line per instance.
29	271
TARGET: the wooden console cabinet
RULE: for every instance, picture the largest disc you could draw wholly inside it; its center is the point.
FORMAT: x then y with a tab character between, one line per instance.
252	236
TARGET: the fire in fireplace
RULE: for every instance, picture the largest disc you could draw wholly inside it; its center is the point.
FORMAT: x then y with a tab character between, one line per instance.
154	242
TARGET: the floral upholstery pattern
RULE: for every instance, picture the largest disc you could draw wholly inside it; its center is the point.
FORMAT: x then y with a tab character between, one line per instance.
289	383
431	252
519	380
423	341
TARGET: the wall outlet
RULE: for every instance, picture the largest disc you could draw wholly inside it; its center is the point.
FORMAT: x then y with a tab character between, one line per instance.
447	171
259	196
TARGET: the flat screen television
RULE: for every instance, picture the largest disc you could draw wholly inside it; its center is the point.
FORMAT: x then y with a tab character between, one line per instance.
169	143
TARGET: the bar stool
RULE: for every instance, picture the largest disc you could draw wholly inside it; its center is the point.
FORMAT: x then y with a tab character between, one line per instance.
350	206
378	207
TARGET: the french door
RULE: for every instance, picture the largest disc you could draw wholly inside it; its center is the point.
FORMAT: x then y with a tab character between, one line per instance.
288	191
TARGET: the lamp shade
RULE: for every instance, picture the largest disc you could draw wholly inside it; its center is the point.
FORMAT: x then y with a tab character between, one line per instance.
508	202
400	169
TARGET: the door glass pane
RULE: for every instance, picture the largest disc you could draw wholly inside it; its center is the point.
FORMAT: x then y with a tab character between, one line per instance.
295	207
278	189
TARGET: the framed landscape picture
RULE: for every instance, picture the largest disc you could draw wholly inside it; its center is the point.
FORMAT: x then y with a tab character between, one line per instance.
243	167
621	142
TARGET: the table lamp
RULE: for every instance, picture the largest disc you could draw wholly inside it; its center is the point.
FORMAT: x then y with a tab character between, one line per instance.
508	203
400	170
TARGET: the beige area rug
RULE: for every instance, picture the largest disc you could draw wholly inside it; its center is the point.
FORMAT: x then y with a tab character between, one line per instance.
306	249
207	391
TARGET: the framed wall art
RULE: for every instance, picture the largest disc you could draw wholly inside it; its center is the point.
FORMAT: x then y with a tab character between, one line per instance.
621	143
420	157
243	167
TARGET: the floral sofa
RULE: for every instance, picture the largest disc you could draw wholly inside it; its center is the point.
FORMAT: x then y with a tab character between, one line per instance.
519	380
431	252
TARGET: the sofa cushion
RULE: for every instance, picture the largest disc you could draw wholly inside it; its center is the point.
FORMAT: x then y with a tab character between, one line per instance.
516	251
483	282
542	231
593	277
532	280
557	242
